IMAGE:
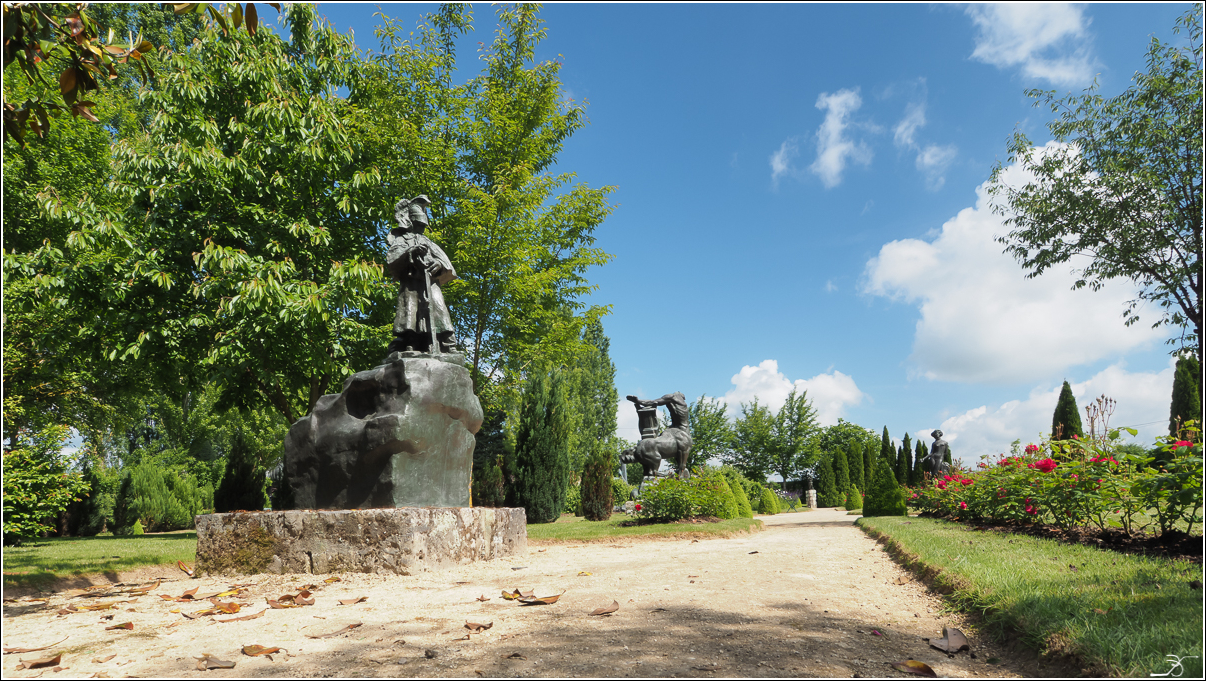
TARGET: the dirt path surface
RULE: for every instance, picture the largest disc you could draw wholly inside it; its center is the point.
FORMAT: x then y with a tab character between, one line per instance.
801	598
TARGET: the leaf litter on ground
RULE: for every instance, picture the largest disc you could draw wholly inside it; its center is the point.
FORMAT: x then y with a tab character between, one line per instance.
353	601
128	626
244	617
475	628
254	650
8	651
544	600
41	662
615	605
952	641
915	667
209	661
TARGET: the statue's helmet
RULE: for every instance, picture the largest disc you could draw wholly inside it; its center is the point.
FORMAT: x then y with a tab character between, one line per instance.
412	213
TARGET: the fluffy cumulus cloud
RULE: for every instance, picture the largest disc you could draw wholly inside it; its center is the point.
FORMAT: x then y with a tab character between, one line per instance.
627	425
982	320
1142	403
835	149
830	393
1047	41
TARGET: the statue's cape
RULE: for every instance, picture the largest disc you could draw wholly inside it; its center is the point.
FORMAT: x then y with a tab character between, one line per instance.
401	244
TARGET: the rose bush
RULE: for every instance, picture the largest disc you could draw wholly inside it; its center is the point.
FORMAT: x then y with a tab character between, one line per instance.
1075	483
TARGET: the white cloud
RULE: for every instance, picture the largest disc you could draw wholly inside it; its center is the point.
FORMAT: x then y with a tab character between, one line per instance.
627	425
904	134
982	320
1048	41
830	393
1143	399
780	161
933	161
834	148
830	287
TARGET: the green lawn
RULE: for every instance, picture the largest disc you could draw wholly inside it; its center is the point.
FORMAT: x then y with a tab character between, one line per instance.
40	561
1122	614
570	528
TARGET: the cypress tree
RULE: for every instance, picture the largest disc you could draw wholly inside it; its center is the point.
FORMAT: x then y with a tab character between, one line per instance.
242	487
906	456
841	471
887	452
918	473
827	492
596	502
884	497
868	462
1066	421
854	459
1186	397
540	467
947	457
489	449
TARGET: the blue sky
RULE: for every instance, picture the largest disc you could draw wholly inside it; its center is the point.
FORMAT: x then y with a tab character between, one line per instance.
799	202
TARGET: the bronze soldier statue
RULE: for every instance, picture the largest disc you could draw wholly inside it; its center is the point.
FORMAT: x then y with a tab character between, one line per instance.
421	267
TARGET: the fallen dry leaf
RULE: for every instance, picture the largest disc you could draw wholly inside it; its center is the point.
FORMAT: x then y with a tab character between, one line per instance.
336	633
476	628
482	598
753	552
207	661
514	656
331	580
915	667
517	594
40	663
34	650
584	574
903	579
146	588
225	608
102	660
128	626
952	641
259	650
186	569
353	601
544	600
615	605
244	617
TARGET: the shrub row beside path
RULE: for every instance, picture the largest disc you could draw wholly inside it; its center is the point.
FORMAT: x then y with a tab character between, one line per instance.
800	598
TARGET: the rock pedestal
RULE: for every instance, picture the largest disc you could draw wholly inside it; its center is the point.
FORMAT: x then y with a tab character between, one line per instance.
399	541
812	498
400	434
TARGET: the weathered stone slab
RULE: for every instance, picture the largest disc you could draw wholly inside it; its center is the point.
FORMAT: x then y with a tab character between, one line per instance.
400	434
399	541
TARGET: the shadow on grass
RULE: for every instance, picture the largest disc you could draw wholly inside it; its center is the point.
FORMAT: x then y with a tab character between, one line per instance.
65	562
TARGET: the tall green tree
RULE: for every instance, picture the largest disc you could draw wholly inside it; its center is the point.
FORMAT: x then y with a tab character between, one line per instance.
594	397
887	450
884	496
538	473
795	426
854	457
1065	422
1186	398
711	431
754	442
841	471
917	472
828	494
904	460
1123	187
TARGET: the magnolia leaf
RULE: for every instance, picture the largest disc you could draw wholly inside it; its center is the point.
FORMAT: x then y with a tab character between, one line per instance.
253	19
258	650
207	661
545	600
915	667
952	641
125	625
244	617
67	80
187	570
615	605
39	663
482	598
476	628
353	601
236	15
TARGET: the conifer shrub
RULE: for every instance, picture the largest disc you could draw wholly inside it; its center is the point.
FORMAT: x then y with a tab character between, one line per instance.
539	469
885	497
841	470
768	503
596	490
854	460
737	485
828	494
242	486
1065	422
621	492
93	513
156	499
854	499
488	485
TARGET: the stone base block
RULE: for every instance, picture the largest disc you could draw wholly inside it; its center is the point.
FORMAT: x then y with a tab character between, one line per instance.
398	541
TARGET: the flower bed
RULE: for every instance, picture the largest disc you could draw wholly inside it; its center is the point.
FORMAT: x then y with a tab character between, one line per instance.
1076	484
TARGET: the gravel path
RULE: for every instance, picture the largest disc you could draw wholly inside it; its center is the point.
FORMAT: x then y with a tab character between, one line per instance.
801	598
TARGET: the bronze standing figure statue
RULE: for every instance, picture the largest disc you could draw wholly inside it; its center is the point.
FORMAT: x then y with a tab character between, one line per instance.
674	443
935	461
422	322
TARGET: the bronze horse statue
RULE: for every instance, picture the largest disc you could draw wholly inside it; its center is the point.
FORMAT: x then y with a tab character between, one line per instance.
673	444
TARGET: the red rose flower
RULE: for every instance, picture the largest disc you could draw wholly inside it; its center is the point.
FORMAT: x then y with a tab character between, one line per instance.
963	505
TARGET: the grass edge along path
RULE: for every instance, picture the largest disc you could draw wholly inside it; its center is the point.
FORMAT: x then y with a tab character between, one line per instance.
41	563
578	530
1116	614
